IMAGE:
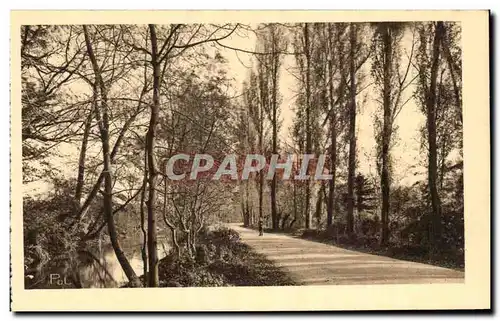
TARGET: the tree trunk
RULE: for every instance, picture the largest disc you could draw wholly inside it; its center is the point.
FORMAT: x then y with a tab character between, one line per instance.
333	134
435	222
153	279
274	212
319	205
294	203
249	214
172	228
247	203
352	133
308	120
83	151
144	252
283	222
244	212
261	196
108	183
261	184
445	44
261	150
386	136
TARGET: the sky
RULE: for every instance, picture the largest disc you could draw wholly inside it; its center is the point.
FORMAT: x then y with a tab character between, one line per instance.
406	153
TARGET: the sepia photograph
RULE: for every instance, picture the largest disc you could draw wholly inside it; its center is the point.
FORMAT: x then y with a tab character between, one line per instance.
247	154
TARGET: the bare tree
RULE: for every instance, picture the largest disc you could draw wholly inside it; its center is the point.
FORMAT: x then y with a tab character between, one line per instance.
272	42
103	123
428	79
390	80
352	128
336	98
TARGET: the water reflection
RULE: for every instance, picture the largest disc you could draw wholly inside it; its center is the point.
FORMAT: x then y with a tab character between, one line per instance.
96	268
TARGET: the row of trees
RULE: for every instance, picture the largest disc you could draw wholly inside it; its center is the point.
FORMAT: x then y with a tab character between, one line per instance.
337	68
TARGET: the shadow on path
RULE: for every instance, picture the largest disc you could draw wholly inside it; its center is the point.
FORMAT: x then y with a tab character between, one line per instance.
313	263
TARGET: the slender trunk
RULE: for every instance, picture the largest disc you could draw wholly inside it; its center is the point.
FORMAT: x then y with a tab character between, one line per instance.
144	253
153	279
308	120
283	222
453	70
294	203
192	223
435	224
333	134
319	206
261	150
247	201
386	135
442	165
172	228
274	123
385	199
456	90
441	153
244	213
333	172
83	152
261	195
352	133
108	183
188	243
274	213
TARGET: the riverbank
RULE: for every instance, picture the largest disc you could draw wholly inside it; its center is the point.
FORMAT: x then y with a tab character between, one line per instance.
221	260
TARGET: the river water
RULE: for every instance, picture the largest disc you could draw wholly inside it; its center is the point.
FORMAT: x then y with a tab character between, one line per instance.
96	268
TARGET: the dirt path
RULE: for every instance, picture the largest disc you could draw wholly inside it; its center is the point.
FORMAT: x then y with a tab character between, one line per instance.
313	263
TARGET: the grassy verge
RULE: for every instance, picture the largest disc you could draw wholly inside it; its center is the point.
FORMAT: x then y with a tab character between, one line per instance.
221	259
370	244
453	259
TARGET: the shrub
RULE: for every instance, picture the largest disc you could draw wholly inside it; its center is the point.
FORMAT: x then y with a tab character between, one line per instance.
183	271
223	235
45	230
310	233
221	259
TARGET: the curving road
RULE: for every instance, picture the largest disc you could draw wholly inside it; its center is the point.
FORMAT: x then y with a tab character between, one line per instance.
313	263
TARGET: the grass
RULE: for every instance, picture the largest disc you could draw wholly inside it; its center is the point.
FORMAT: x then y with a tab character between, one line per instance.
250	269
221	260
370	245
